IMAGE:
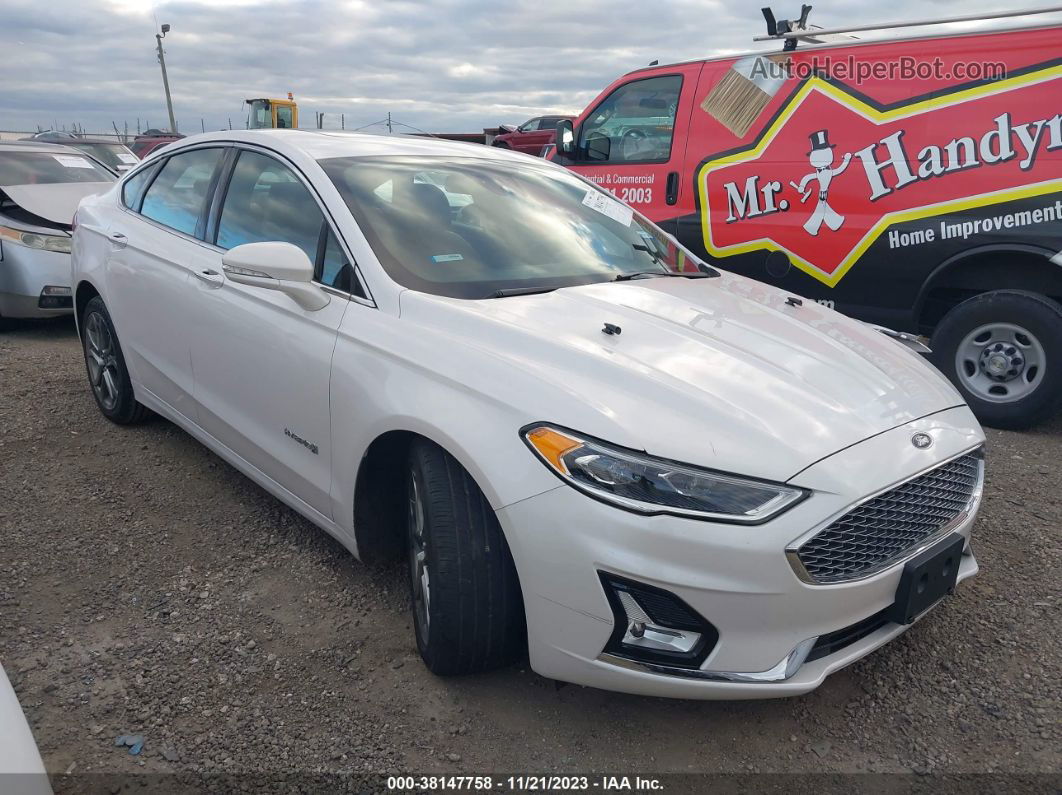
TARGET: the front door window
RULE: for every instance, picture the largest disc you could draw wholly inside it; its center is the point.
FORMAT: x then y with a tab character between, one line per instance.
634	124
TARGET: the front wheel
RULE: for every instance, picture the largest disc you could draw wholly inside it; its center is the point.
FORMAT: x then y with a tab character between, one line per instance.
1003	351
467	608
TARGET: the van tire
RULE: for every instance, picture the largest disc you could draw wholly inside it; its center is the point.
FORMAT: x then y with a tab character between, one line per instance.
1025	330
474	610
120	407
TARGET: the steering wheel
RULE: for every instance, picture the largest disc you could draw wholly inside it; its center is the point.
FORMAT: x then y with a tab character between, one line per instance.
634	143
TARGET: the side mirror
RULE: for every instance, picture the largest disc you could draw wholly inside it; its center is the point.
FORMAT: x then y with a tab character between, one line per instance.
566	138
275	266
598	147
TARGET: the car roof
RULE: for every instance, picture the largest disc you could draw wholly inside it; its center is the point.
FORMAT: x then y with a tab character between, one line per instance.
319	144
37	146
86	140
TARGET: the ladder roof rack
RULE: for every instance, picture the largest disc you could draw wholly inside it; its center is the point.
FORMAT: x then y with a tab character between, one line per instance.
793	35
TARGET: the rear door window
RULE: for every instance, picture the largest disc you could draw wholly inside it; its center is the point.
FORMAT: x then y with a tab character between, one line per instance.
178	195
134	188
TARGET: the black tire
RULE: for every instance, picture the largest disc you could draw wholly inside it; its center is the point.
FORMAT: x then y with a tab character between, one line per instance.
100	357
501	145
474	616
1041	318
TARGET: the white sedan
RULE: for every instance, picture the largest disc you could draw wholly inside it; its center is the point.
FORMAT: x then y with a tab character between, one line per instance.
21	768
662	478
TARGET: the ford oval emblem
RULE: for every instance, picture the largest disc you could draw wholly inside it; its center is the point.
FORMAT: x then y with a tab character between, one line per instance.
923	441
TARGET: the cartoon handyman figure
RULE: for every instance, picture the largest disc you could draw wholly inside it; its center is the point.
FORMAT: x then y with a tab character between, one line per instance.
821	157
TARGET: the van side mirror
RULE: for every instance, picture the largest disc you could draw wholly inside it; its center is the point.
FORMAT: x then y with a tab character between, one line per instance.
566	138
275	266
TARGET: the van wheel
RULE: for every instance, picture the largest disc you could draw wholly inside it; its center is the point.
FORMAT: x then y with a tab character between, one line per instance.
107	373
1003	351
467	610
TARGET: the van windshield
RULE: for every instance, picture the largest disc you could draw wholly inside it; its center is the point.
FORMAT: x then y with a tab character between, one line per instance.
470	227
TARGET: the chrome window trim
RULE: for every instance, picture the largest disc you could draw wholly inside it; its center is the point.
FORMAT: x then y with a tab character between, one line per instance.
792	550
366	300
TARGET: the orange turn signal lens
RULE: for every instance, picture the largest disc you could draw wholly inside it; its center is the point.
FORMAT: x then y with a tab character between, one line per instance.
551	445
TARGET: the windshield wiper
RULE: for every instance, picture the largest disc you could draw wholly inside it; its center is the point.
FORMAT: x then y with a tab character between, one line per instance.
626	277
511	291
650	251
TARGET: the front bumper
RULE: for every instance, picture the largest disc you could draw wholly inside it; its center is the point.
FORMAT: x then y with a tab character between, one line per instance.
736	577
24	273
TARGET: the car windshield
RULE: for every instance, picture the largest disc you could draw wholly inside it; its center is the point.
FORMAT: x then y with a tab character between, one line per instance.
117	156
470	227
49	168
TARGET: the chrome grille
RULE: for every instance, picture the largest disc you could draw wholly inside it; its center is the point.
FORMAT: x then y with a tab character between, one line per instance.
884	529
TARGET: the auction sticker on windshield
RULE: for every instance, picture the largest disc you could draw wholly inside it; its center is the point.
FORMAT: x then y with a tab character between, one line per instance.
73	161
604	204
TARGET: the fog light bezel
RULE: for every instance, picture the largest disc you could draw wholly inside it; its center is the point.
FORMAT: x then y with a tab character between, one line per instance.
694	622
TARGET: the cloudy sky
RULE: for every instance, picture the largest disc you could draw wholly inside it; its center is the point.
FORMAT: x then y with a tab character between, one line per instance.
444	65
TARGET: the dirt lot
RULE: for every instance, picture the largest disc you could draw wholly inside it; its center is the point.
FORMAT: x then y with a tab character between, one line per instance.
146	587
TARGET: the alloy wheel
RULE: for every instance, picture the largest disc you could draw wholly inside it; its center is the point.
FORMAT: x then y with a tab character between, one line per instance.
102	360
418	559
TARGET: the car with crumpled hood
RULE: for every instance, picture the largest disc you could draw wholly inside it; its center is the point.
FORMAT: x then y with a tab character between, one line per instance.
40	187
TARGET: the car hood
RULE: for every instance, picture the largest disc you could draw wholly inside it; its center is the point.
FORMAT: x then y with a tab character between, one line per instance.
56	202
718	372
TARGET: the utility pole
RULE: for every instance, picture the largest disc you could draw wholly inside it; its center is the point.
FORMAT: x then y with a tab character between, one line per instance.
165	80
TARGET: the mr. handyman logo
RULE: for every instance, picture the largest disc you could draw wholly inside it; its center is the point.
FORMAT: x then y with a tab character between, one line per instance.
821	159
866	168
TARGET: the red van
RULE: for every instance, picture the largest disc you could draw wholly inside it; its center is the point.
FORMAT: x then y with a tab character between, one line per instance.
913	183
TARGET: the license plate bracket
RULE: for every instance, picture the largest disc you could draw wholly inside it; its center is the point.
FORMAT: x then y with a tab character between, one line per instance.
927	578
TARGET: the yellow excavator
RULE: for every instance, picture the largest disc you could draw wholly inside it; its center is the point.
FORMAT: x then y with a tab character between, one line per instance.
273	113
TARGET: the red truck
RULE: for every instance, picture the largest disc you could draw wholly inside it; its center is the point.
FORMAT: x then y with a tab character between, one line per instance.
531	137
914	183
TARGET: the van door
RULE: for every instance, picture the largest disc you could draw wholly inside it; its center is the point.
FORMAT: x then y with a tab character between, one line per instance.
632	142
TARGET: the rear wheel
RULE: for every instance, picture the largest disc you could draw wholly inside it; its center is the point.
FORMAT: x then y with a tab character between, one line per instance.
107	373
467	608
1003	351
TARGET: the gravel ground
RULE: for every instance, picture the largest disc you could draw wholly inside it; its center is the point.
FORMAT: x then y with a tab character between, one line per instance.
146	587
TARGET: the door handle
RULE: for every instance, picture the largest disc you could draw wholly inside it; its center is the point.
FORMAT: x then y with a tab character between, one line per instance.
210	276
672	188
118	240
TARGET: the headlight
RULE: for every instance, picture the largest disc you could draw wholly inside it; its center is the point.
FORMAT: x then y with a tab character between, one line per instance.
651	485
59	243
